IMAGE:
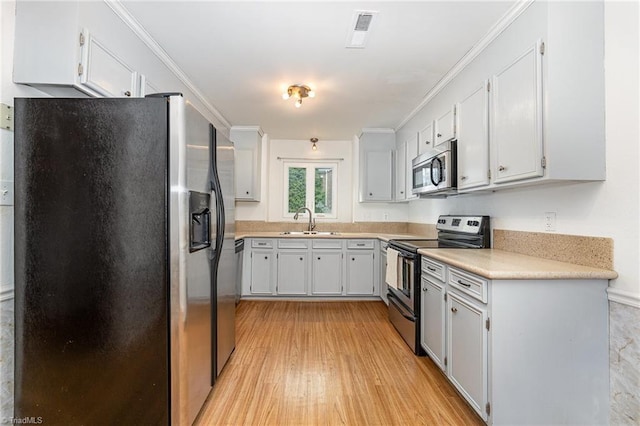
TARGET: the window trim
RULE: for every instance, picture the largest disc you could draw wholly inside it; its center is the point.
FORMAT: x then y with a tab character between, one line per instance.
310	166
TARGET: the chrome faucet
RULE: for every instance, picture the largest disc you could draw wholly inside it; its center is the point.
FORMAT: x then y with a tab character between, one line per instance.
312	222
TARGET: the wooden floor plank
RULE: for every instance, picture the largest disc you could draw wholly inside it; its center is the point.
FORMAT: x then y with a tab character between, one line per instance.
328	363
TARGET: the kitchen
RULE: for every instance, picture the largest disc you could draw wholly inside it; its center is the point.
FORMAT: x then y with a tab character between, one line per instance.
590	209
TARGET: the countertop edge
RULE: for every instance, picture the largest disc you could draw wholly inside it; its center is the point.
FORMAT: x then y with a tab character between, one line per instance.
476	262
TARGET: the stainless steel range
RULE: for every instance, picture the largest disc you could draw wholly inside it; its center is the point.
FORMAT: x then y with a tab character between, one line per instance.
471	232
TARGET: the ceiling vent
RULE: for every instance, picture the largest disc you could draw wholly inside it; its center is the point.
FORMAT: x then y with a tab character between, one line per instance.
360	28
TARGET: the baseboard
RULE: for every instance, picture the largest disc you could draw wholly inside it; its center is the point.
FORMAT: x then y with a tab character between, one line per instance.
624	297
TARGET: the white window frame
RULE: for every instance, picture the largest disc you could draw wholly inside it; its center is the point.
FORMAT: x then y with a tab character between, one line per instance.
310	165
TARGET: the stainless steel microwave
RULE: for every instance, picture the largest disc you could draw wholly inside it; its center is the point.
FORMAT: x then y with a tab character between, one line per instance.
435	171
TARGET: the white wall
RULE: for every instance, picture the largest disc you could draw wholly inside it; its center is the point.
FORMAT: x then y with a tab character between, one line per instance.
608	209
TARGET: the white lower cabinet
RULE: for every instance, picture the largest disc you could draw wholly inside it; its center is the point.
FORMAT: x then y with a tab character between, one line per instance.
432	320
311	267
326	278
292	272
262	267
519	351
360	273
467	351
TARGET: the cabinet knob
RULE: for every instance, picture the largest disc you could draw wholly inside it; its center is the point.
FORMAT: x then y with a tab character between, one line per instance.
353	258
463	178
127	93
301	259
502	168
425	289
318	258
439	135
266	258
402	192
370	194
427	142
454	310
247	192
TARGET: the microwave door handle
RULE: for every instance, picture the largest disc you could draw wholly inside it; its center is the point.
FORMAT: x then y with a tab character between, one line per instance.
433	181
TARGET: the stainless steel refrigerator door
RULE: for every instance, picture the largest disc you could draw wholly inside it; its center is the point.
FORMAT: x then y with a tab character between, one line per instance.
225	281
191	308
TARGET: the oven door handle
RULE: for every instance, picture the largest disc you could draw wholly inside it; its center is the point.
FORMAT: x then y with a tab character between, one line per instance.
403	311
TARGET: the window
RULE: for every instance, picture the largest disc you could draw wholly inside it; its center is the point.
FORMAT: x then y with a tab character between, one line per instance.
311	185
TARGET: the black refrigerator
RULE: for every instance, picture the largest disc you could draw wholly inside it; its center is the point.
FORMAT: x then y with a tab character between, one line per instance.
124	260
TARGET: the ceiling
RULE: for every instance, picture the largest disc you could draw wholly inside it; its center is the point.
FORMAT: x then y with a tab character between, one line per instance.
242	56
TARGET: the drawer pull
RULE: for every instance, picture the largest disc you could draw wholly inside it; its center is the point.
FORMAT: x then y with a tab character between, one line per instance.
266	258
463	283
360	244
301	259
431	269
454	310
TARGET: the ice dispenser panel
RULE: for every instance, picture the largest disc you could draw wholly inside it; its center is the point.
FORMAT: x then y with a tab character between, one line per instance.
200	221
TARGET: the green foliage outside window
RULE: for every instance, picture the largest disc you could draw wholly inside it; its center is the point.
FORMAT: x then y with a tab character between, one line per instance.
297	188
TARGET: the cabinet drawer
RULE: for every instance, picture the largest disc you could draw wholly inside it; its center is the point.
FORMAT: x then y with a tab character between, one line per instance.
326	244
360	244
261	243
293	243
433	268
467	283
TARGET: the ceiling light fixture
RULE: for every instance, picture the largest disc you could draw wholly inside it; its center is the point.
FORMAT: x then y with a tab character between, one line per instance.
314	146
298	91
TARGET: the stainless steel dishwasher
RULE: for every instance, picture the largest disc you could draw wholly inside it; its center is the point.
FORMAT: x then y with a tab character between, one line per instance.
239	256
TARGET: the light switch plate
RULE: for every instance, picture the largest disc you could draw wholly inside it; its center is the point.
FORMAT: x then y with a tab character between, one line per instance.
6	117
6	193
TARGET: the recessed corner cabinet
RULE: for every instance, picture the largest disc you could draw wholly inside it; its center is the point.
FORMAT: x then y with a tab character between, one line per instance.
247	141
377	147
54	53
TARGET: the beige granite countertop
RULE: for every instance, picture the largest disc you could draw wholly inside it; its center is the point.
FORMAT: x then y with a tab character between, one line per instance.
341	235
504	265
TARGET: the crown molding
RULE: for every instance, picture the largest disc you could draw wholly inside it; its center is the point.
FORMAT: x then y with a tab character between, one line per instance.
126	17
507	19
257	129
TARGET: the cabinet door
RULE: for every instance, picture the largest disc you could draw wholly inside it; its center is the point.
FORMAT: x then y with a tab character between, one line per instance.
103	72
412	152
516	119
433	320
445	129
326	272
425	139
292	272
360	273
401	173
378	176
261	271
473	139
467	351
244	174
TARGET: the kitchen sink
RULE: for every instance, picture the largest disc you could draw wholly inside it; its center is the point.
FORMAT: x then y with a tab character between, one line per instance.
308	233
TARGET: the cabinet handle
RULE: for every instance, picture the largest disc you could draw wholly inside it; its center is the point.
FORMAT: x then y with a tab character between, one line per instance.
439	135
454	310
425	289
502	168
127	93
370	194
266	258
427	142
247	192
463	178
301	259
402	192
353	258
318	258
463	283
431	269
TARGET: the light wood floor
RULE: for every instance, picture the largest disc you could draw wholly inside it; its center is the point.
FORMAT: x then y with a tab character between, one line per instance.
328	363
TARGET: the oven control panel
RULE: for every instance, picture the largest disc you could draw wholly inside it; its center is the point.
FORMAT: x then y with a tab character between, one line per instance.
464	224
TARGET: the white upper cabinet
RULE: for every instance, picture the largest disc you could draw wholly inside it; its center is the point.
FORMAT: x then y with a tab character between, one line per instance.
54	54
247	141
103	72
445	127
425	138
412	152
377	167
516	118
473	138
401	175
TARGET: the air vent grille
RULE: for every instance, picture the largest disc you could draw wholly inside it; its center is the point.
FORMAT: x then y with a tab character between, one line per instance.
360	28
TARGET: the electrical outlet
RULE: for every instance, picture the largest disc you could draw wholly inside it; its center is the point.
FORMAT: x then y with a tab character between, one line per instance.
550	221
6	193
385	216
